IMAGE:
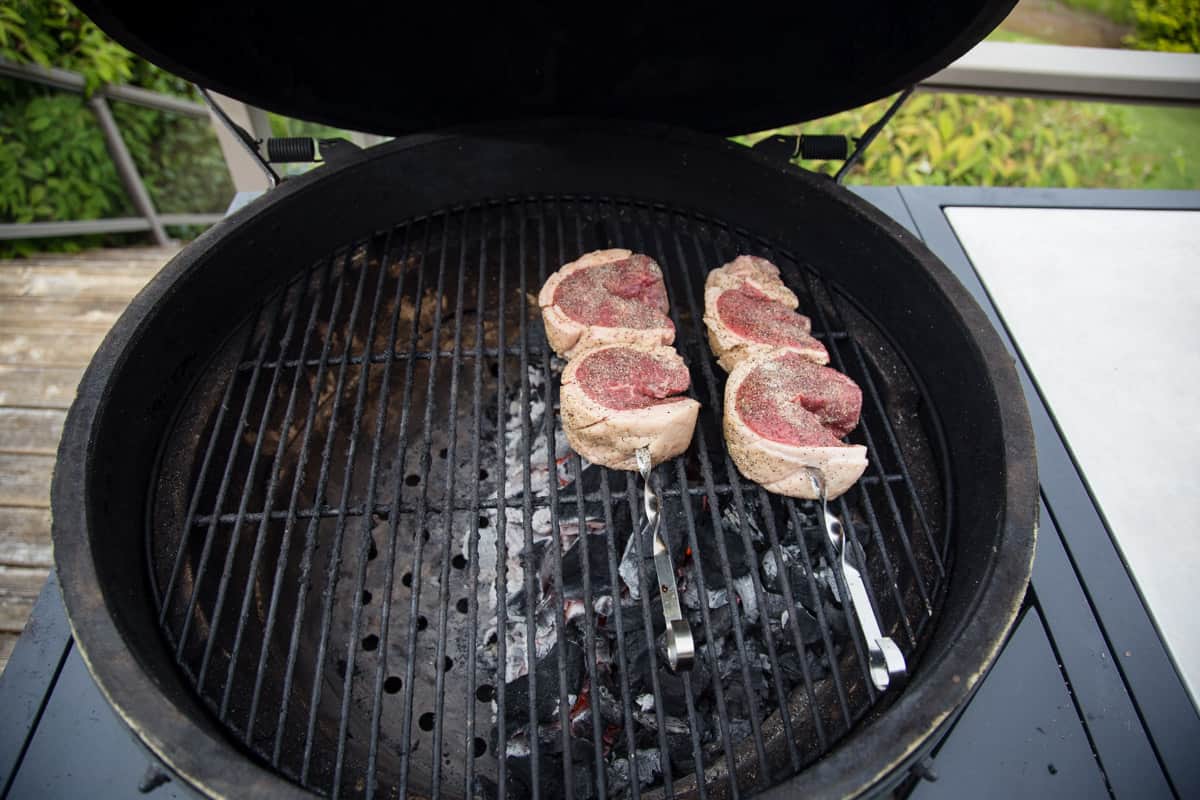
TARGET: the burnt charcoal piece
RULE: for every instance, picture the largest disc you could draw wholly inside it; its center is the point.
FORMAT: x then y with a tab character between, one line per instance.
709	553
674	698
549	779
720	624
789	664
517	693
572	567
637	648
781	626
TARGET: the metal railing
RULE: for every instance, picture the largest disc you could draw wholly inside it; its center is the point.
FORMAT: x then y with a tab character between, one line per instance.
148	218
1072	73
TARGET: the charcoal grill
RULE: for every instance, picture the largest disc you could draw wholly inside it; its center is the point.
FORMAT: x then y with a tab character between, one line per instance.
316	528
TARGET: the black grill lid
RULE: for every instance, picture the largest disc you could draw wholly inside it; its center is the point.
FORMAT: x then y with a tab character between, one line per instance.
395	68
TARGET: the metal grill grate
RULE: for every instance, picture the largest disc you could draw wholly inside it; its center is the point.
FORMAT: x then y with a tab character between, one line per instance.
377	564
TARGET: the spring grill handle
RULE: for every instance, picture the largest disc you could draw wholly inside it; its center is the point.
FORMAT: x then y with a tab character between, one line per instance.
884	658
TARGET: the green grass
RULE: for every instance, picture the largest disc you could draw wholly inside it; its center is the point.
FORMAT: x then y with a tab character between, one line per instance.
1001	35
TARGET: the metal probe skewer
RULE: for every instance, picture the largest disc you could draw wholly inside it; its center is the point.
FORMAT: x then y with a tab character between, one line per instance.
884	658
681	647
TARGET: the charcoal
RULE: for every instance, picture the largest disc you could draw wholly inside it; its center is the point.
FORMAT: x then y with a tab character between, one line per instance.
779	612
671	686
789	665
649	768
720	624
572	567
546	703
549	779
709	553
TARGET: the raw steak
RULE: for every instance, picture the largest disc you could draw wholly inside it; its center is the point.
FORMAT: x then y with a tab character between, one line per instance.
749	311
618	398
783	414
606	297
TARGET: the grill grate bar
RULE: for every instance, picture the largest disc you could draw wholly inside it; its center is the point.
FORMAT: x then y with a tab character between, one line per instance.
709	648
285	540
372	484
918	506
426	355
764	776
865	428
272	487
226	477
502	530
419	537
214	624
384	509
193	505
310	535
560	622
716	402
473	534
333	573
589	621
447	518
394	516
527	501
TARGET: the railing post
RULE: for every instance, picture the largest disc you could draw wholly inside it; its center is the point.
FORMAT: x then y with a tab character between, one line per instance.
126	169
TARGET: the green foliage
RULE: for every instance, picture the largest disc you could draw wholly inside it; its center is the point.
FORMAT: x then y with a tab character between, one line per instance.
54	164
947	139
1166	25
1117	10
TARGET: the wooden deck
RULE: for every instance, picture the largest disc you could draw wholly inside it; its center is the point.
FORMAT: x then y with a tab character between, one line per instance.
54	311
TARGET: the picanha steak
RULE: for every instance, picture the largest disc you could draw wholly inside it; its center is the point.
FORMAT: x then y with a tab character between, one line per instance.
748	310
784	415
606	297
618	398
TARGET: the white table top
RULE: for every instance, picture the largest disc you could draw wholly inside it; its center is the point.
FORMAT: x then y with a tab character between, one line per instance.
1105	308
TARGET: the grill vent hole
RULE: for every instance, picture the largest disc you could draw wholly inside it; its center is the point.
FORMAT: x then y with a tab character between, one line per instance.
407	579
448	664
485	693
459	561
371	643
393	684
372	552
422	623
480	747
484	522
462	605
426	721
483	474
366	598
413	480
443	452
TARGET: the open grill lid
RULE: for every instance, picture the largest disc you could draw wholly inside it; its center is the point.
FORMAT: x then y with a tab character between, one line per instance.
396	68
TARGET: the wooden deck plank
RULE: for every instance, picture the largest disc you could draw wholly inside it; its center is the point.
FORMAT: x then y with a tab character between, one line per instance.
19	587
25	537
70	283
8	641
36	313
54	311
53	348
31	430
26	480
34	386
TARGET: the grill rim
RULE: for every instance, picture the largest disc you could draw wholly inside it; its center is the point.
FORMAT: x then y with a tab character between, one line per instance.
198	750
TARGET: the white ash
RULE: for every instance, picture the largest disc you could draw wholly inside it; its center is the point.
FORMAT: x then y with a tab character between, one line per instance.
649	767
645	702
744	586
603	605
690	596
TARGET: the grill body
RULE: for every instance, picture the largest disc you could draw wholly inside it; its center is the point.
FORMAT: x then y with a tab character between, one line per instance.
473	222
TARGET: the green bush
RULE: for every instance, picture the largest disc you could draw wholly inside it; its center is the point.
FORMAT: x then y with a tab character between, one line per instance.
54	164
948	139
1168	25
